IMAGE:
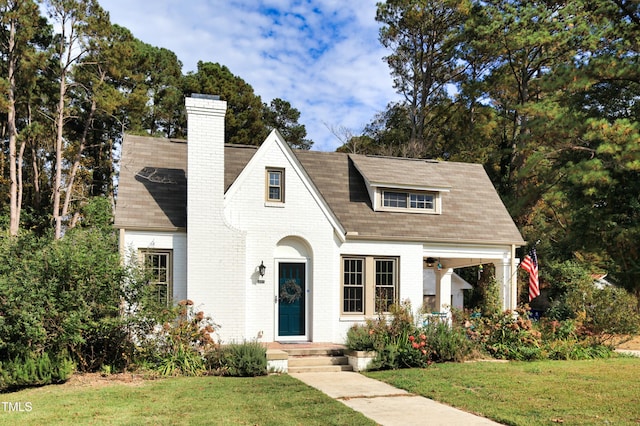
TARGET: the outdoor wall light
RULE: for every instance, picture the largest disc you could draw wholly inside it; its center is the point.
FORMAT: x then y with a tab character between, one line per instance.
262	268
430	261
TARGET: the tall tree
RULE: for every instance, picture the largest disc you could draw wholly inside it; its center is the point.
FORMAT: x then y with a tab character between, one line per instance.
423	36
19	20
280	115
243	122
79	21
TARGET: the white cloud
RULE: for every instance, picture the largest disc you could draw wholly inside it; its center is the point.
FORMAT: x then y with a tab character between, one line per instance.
323	56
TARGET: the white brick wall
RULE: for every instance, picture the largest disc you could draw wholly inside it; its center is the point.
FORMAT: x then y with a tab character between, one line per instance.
215	252
301	220
176	241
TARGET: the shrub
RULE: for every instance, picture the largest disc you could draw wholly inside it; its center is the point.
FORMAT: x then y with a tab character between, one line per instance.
508	335
610	311
247	359
178	347
63	297
397	341
447	343
30	371
361	337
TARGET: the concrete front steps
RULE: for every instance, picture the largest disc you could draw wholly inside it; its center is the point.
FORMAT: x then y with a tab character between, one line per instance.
306	358
317	360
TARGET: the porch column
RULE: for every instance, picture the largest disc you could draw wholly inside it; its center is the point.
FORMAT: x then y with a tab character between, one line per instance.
507	283
443	289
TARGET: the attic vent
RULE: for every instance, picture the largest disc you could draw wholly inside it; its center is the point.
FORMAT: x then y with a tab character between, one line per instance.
203	96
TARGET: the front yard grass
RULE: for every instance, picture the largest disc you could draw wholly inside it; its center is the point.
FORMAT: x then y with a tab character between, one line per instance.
269	400
594	392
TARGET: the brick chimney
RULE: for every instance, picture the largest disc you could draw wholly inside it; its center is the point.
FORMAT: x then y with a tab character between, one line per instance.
215	251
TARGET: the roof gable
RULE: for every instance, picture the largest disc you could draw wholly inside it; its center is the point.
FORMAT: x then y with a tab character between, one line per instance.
275	141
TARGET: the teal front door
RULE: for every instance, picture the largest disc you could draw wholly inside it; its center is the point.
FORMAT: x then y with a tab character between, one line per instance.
291	299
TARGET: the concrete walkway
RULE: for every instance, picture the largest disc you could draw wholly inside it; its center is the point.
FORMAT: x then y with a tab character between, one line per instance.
385	404
629	352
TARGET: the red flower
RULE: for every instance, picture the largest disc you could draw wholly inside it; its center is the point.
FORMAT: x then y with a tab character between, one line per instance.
411	338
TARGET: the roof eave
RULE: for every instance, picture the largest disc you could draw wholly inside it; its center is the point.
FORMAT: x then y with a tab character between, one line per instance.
357	237
150	228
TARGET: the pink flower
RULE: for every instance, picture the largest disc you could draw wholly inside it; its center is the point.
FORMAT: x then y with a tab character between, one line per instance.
422	344
411	338
423	337
424	352
415	345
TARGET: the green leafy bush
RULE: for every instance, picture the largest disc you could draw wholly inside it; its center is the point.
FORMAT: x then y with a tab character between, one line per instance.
515	337
65	297
178	347
30	371
397	341
447	343
246	359
507	335
361	337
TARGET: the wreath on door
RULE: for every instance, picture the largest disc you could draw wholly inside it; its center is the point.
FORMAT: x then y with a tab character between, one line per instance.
290	291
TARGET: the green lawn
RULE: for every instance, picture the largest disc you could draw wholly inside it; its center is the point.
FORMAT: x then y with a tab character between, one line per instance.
596	392
271	400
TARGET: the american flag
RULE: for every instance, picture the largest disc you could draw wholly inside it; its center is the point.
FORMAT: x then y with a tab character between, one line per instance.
530	264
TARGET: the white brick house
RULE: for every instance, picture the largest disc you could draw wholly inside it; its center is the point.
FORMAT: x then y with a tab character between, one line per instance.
340	236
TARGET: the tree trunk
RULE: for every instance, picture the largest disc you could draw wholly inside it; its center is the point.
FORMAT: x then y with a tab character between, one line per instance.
76	162
57	182
14	187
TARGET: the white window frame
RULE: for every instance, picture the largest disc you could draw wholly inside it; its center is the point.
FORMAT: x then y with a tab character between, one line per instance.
396	203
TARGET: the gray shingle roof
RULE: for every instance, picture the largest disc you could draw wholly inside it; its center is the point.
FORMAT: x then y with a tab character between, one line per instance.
152	184
152	192
409	172
471	211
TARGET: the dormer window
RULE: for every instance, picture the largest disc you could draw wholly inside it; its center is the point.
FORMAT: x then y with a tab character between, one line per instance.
421	201
409	200
275	185
403	185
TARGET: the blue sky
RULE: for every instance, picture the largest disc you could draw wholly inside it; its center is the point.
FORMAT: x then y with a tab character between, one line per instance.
323	56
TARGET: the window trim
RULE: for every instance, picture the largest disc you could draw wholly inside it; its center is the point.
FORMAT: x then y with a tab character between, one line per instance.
343	286
435	209
370	284
143	253
268	186
393	286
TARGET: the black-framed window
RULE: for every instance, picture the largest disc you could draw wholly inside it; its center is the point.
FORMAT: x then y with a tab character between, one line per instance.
370	284
158	265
